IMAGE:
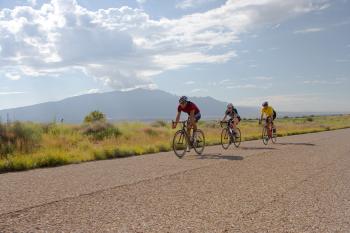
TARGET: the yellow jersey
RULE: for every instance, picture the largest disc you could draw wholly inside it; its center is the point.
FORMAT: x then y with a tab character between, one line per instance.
268	112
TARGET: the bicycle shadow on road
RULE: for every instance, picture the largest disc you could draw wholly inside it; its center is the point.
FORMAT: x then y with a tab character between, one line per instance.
220	156
257	148
295	144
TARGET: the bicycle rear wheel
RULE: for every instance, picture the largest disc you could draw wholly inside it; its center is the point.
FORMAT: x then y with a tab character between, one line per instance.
238	138
199	141
265	136
180	143
274	135
225	138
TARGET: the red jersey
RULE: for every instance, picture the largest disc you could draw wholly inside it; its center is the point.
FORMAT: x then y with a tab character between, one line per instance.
189	108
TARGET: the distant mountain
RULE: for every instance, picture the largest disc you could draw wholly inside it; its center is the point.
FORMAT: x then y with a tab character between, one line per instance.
139	104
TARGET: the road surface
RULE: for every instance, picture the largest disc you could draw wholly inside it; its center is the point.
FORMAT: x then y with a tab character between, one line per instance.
300	184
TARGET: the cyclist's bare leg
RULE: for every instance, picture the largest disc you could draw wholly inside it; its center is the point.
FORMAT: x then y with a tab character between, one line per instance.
270	123
194	129
189	130
235	123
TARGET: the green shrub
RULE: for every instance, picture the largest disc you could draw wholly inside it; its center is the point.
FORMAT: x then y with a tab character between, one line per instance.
159	123
151	132
211	124
53	160
17	136
100	130
27	136
51	128
164	147
310	119
95	116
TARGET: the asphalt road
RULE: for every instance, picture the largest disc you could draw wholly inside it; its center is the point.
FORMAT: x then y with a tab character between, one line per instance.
300	184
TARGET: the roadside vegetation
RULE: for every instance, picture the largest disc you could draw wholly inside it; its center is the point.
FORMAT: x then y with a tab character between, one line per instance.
25	145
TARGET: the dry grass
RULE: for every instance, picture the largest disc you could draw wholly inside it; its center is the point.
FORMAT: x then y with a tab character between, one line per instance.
65	144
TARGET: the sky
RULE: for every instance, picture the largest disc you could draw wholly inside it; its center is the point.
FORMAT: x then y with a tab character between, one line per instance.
294	54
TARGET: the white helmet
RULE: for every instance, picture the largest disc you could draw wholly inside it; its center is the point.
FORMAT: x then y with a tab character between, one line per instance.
230	105
183	99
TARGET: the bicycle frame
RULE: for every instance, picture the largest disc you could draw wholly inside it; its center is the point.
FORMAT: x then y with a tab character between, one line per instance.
232	133
269	127
184	129
197	144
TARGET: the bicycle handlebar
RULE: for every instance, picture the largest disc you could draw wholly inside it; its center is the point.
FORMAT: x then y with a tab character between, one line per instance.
222	123
181	122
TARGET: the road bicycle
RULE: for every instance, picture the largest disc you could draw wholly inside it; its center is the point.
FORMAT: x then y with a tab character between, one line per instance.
182	142
269	133
230	135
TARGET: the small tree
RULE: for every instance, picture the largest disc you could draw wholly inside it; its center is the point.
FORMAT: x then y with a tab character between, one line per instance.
95	116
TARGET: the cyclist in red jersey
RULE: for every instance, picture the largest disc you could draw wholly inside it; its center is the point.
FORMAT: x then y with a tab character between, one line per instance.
193	112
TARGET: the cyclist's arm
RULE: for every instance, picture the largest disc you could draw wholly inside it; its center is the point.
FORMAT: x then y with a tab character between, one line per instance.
192	117
176	120
177	117
224	117
261	117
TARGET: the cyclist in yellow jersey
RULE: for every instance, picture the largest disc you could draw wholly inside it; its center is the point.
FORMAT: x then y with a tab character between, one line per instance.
268	112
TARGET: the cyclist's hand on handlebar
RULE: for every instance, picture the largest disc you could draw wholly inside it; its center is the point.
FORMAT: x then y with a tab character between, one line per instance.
174	124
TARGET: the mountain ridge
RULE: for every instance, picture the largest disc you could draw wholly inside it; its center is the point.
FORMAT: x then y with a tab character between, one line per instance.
134	105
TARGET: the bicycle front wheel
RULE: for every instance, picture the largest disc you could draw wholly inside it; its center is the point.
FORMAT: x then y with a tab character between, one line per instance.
225	138
199	141
265	136
180	143
238	138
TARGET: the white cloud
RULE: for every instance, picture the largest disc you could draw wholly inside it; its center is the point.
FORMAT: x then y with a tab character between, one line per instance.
276	26
308	30
124	47
141	1
179	60
325	6
224	81
11	92
245	86
189	82
336	81
90	91
195	90
186	4
13	76
198	90
93	91
285	102
32	2
263	78
249	86
342	60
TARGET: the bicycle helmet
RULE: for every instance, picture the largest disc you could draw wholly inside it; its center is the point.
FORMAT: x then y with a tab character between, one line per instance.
183	99
265	104
230	105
